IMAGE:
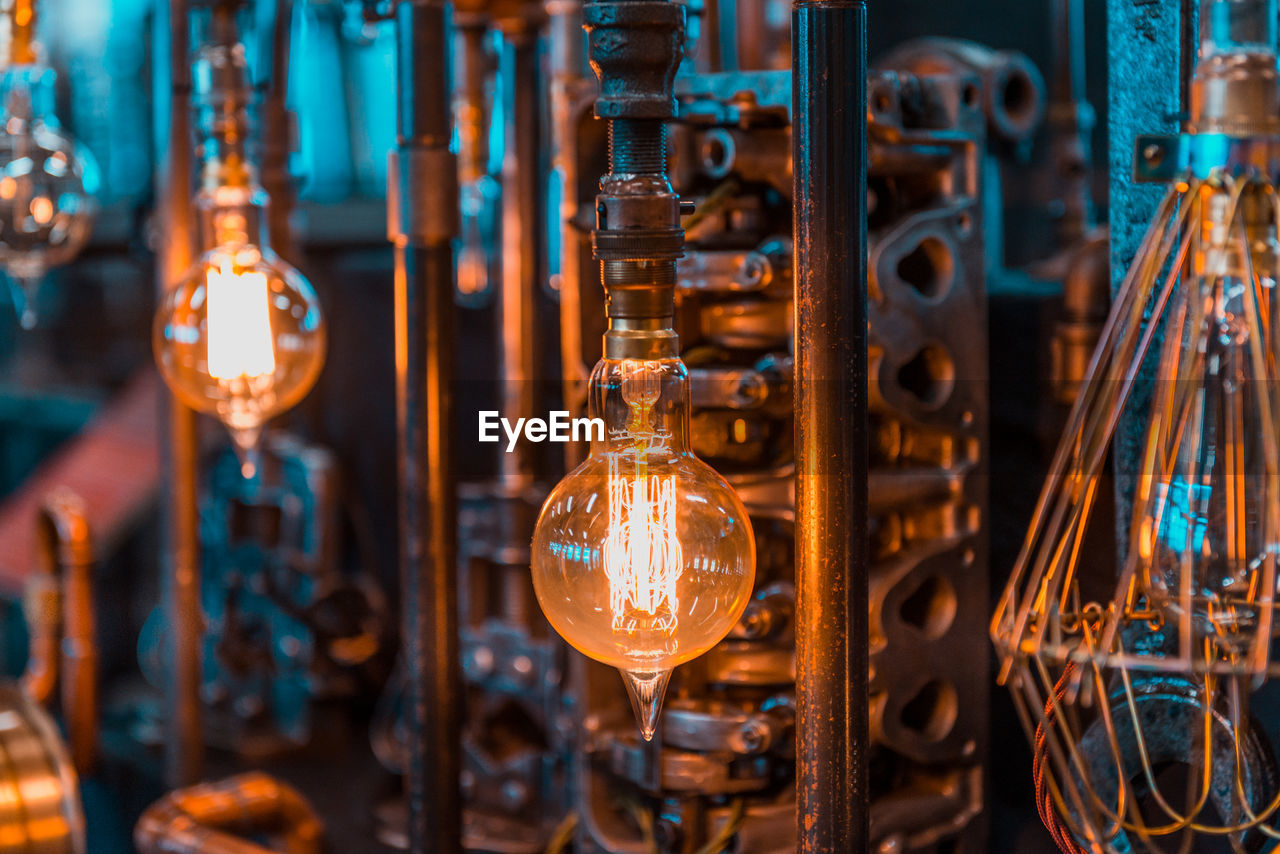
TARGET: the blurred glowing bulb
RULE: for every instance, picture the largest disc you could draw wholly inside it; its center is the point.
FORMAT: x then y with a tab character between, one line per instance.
47	186
643	557
239	324
241	337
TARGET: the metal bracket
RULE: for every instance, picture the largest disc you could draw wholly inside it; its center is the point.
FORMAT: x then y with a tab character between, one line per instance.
1162	158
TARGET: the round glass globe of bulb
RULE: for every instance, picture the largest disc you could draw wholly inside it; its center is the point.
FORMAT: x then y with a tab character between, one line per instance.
242	338
48	184
643	557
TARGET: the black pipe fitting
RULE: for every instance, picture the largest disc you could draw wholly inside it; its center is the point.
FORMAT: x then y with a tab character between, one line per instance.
635	47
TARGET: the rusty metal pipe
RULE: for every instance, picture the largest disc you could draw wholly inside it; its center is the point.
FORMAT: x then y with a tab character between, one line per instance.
521	238
829	85
422	208
184	739
216	818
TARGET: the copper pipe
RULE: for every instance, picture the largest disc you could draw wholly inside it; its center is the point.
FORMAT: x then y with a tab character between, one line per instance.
64	535
42	607
1086	299
214	818
59	611
22	30
184	745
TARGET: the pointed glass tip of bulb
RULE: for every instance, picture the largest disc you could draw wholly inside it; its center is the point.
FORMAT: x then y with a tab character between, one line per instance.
646	690
247	450
23	292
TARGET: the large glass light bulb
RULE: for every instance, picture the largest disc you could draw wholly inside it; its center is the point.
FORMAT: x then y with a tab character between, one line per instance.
643	556
47	186
242	338
1204	516
1125	679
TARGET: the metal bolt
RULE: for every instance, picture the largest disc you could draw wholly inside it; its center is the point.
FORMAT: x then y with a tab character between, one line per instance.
290	646
751	389
247	707
757	620
668	834
893	844
479	664
515	794
753	270
467	782
753	736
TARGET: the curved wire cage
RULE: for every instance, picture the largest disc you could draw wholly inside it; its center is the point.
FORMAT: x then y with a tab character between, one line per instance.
1138	689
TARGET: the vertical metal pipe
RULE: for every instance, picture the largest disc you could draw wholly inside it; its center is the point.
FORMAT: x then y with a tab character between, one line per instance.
277	134
566	61
522	265
1189	53
829	68
184	740
422	222
1067	84
521	239
1071	123
471	97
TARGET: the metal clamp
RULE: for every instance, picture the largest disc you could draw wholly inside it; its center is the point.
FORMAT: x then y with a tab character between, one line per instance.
422	189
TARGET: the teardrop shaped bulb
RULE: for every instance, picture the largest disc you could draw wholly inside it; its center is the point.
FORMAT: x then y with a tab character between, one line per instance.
643	557
47	204
247	442
646	690
241	338
22	290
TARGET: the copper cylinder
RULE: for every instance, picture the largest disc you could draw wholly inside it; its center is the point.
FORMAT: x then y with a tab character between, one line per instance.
22	29
39	793
59	612
210	819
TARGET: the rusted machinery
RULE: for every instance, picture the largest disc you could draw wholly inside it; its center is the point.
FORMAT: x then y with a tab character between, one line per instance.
727	752
548	733
282	595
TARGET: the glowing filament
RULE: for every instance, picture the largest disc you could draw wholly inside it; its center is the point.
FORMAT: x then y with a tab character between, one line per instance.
642	553
239	317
